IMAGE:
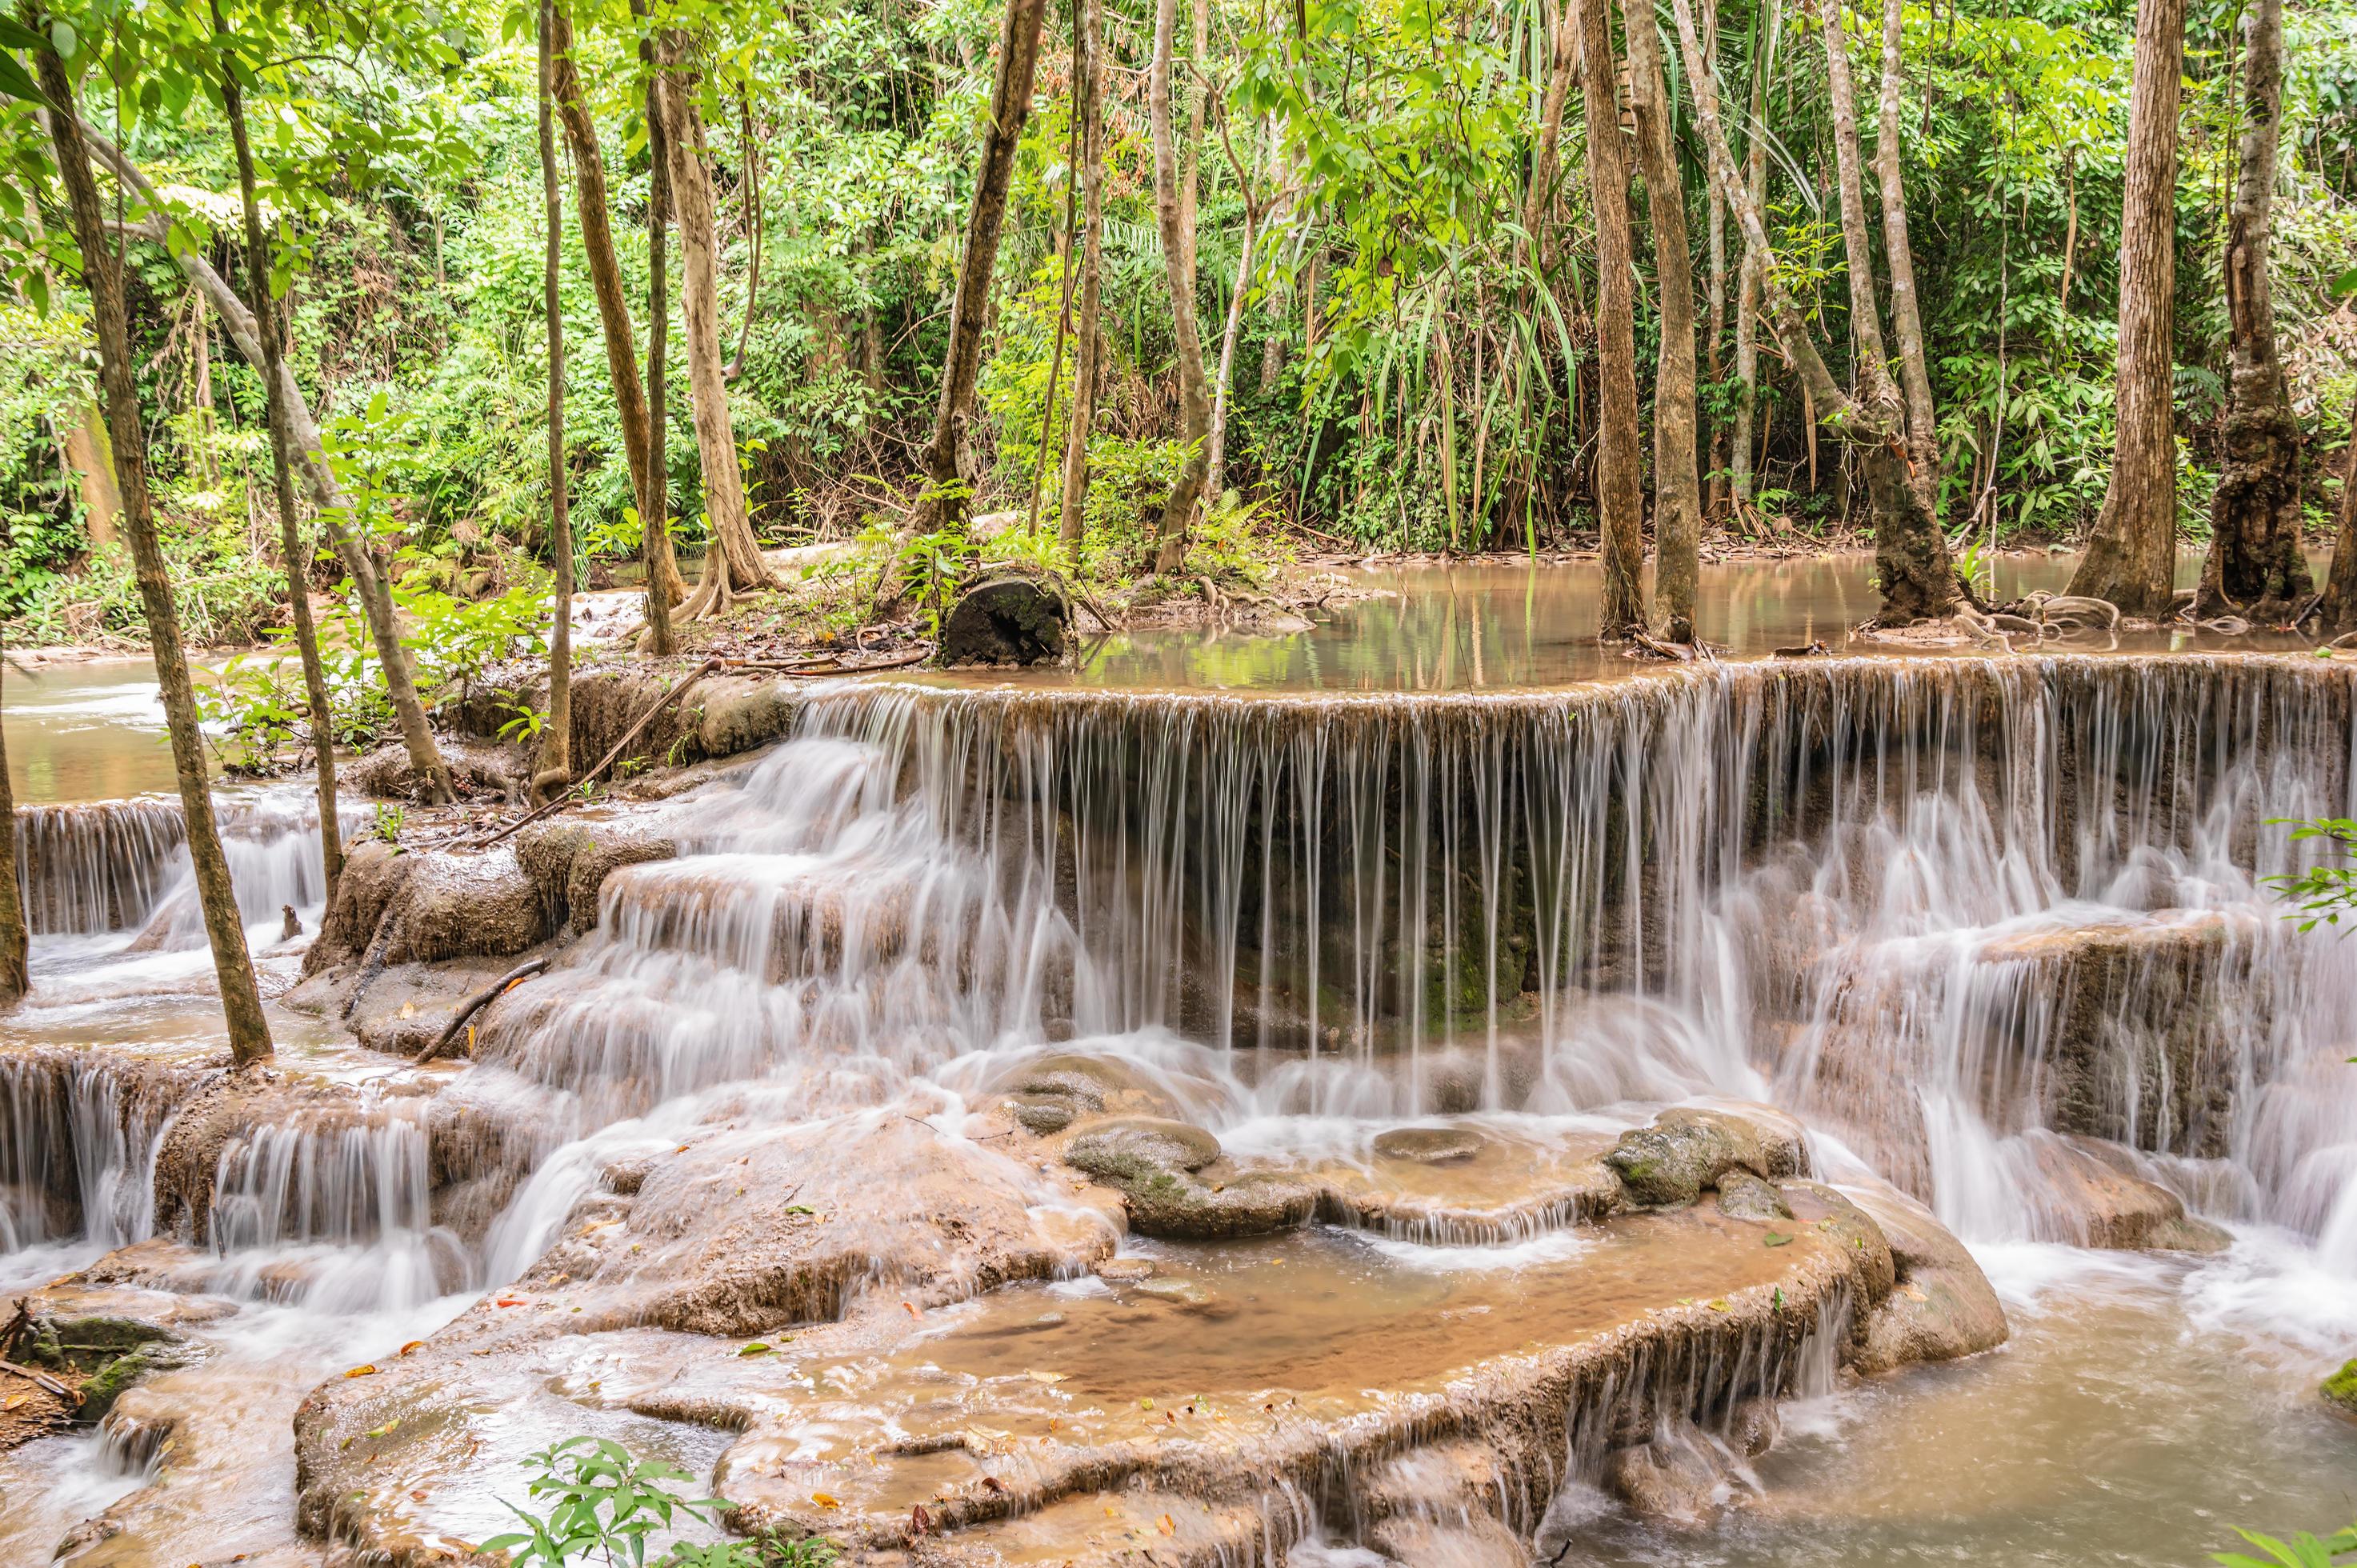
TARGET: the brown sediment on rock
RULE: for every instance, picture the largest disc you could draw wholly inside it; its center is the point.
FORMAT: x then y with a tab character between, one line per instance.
568	862
725	716
1941	1305
476	765
398	907
749	1228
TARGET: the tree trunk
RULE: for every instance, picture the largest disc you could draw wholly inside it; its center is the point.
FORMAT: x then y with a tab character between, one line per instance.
1088	92
1677	502
555	773
1563	69
942	507
1906	316
1215	468
1194	406
665	586
1619	495
92	457
1911	555
1765	28
2339	604
16	976
281	464
733	565
249	1029
596	221
2131	558
1714	429
326	496
2255	565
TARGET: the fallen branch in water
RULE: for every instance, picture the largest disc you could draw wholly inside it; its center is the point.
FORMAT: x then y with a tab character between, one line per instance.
475	1004
831	666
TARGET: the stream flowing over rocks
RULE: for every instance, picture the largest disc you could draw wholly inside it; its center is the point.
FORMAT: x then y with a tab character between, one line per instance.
1751	1112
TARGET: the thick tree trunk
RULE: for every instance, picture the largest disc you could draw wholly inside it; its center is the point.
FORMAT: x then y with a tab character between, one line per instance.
249	1029
326	496
2131	559
1911	555
1620	493
733	564
282	466
2255	565
2338	607
943	505
1088	91
595	223
1677	500
1194	405
665	586
92	457
14	944
555	772
1906	313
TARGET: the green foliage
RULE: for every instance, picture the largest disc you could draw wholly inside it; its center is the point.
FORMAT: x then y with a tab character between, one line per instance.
605	1504
2302	1551
2326	890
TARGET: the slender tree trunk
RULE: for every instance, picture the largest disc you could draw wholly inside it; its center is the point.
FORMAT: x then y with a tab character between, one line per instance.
1191	177
665	586
2255	564
733	565
2131	558
1906	315
1194	405
281	464
1911	554
249	1029
1765	28
943	505
1714	438
1563	71
555	773
334	506
2338	607
92	457
1620	494
1088	90
751	154
1215	470
1677	502
595	223
16	976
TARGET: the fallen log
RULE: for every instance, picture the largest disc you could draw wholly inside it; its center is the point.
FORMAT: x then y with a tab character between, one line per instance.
475	1004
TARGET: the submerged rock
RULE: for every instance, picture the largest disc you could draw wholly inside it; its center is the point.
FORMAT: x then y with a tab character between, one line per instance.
1677	1478
1430	1145
2088	1192
1157	1167
1688	1148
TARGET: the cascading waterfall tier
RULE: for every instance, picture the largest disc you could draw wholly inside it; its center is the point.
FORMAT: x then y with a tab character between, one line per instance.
116	865
1934	904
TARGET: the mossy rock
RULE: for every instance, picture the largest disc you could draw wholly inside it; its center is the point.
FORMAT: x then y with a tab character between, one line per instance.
1688	1148
1159	1169
2340	1390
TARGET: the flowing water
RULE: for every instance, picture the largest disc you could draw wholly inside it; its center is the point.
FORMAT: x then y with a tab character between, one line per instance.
1420	864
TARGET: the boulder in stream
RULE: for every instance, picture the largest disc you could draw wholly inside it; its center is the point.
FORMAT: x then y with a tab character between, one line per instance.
1689	1147
1174	1183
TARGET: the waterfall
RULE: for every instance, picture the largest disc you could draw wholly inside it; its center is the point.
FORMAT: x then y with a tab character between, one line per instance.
1936	906
120	865
79	1134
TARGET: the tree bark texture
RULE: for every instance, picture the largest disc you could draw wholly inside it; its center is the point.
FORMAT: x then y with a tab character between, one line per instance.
665	586
594	219
1620	493
1194	403
555	769
733	564
1906	313
282	468
2255	565
249	1029
2131	559
1677	499
2339	604
1088	93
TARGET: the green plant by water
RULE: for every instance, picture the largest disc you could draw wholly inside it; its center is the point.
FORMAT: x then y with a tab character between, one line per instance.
602	1504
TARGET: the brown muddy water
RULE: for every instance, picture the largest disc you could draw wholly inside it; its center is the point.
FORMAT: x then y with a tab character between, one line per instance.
1275	919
